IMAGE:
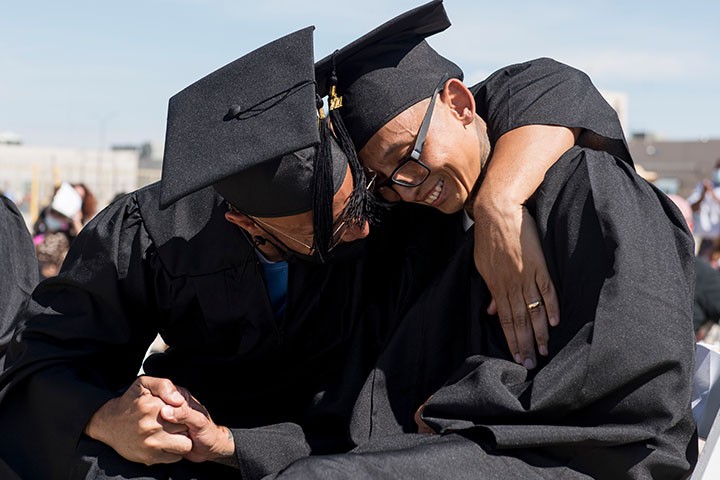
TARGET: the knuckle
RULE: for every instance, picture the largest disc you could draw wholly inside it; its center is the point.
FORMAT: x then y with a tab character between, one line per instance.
544	284
541	335
520	321
506	322
146	425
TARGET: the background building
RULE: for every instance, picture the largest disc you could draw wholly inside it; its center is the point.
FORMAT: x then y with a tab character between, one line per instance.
29	175
680	165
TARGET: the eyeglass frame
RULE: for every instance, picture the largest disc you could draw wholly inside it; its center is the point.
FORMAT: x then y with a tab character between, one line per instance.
414	155
335	238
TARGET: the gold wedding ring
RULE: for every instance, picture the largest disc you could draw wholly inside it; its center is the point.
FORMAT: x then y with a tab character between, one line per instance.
534	305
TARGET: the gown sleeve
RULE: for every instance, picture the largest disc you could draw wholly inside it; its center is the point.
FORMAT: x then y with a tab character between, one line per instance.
82	340
546	92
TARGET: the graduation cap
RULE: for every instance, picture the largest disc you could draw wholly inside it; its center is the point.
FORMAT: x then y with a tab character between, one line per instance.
385	71
252	130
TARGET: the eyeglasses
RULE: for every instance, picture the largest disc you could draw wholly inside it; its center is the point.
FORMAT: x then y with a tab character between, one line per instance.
338	230
411	172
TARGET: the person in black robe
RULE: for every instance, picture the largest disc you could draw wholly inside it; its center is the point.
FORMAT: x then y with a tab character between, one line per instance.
19	268
516	270
612	397
282	377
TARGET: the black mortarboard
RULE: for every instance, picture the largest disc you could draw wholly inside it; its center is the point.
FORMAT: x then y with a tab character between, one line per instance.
251	130
387	70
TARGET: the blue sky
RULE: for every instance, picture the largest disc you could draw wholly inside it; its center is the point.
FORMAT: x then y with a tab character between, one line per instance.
89	73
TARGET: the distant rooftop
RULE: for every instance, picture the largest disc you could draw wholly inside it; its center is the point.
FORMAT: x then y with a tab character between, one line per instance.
10	138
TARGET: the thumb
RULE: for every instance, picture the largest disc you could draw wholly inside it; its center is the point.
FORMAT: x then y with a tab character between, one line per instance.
164	389
184	415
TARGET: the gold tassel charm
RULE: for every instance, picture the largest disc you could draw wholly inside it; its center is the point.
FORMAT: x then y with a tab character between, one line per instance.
335	101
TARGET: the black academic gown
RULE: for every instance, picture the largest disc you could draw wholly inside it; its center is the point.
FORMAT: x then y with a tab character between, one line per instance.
613	398
286	387
18	270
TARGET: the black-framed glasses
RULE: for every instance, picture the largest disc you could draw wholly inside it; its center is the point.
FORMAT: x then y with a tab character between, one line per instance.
411	172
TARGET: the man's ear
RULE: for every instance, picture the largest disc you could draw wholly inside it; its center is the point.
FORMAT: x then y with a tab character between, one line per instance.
460	100
244	222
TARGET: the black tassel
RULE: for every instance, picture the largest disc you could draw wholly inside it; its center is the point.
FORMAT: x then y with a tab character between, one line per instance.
323	189
362	205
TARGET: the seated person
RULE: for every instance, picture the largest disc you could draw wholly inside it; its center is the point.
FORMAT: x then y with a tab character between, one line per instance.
612	397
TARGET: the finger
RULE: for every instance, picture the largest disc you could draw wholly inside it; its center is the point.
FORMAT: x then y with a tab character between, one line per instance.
170	445
492	308
506	322
549	296
523	331
538	319
185	415
172	427
422	426
163	389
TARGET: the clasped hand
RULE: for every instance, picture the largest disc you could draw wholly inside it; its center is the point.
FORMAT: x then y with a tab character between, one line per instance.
155	421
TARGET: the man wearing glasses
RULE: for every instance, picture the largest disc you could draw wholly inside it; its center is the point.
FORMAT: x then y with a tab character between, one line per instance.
609	396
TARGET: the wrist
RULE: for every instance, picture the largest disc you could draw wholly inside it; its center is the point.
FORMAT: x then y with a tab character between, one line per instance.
225	445
97	426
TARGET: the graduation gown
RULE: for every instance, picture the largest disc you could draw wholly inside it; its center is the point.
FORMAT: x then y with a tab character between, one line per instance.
612	400
18	265
285	386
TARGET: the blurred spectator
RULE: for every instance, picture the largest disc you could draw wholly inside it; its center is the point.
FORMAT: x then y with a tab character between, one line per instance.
56	227
705	204
89	202
706	310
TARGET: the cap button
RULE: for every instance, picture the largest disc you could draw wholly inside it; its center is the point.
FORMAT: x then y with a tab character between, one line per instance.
234	111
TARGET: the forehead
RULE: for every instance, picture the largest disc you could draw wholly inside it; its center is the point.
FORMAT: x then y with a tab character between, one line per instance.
390	144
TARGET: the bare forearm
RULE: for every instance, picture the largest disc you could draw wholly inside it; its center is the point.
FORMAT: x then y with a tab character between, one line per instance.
521	158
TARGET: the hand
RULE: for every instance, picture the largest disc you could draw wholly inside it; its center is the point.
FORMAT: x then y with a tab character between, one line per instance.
209	441
422	426
507	247
508	254
132	426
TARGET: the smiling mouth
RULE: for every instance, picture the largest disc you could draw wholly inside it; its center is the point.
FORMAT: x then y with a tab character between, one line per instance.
435	193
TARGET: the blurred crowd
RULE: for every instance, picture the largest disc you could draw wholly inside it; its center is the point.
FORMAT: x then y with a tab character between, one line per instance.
702	213
59	223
